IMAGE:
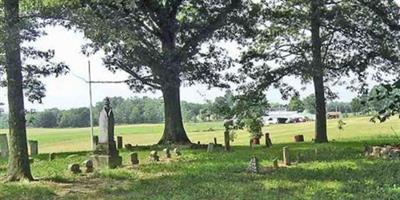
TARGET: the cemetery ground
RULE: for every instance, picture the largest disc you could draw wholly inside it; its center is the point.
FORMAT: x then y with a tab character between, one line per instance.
338	170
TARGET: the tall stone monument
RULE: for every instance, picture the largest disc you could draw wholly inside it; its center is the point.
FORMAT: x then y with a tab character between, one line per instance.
106	153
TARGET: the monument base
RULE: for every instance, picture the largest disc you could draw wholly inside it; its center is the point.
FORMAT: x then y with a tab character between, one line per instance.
106	161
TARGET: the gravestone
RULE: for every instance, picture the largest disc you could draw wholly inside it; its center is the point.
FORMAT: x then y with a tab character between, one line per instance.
215	141
268	142
253	166
210	147
106	153
119	142
167	153
299	138
134	158
3	145
88	166
52	156
228	124
74	168
33	146
177	152
128	147
286	159
154	156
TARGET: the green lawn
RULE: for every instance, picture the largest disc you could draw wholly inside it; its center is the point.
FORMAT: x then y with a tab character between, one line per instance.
78	139
337	170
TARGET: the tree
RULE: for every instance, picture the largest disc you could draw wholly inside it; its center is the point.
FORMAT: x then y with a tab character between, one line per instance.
296	104
309	103
161	45
18	163
357	105
318	41
47	119
22	77
386	97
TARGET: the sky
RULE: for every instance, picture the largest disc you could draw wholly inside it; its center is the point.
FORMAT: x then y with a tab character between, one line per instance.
70	91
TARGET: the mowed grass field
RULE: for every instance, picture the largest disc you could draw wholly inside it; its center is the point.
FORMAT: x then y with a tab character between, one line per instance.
78	139
336	170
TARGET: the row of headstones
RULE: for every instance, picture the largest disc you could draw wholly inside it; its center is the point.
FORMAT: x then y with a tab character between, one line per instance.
33	146
134	158
254	166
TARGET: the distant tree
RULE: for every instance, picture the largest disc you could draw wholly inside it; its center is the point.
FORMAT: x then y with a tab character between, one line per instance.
222	106
77	117
296	104
309	103
357	105
47	119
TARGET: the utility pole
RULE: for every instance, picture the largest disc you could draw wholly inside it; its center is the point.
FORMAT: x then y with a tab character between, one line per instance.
91	107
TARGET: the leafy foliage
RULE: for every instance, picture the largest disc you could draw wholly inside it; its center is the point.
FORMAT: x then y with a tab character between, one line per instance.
387	99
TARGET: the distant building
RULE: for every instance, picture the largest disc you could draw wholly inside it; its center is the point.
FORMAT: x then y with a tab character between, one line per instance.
283	117
333	115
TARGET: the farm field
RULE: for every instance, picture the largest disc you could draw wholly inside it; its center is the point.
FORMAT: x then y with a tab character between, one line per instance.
78	139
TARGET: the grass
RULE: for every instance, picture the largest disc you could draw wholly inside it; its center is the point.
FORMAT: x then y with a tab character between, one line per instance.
78	139
337	170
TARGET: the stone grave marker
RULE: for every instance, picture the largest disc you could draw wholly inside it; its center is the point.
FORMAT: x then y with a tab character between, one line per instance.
167	152
177	152
227	125
52	156
88	164
268	142
299	138
74	168
154	156
210	148
4	145
286	158
254	166
33	146
134	158
119	142
106	153
215	140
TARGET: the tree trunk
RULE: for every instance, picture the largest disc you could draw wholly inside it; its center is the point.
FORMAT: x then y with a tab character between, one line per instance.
318	73
174	132
18	163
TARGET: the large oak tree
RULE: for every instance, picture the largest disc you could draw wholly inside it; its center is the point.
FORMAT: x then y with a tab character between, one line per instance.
161	45
320	41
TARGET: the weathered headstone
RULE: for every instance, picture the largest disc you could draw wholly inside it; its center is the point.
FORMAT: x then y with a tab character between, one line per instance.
376	151
286	158
154	156
88	164
106	153
74	168
210	147
268	142
253	166
215	140
299	138
119	142
134	158
177	152
167	153
3	145
52	156
33	146
228	126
